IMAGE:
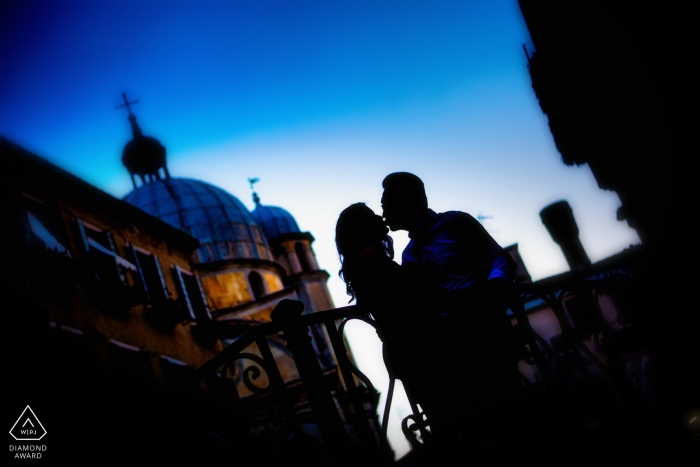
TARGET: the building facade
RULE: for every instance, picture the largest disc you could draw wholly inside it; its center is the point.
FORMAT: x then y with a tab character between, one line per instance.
128	297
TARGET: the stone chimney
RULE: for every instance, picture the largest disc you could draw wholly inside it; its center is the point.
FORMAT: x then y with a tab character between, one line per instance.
559	220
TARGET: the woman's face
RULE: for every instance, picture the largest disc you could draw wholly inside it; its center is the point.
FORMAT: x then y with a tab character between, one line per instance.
373	225
361	230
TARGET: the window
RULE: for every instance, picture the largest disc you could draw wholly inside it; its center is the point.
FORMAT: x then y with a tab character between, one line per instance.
49	261
150	276
256	284
45	225
192	293
43	234
99	245
301	255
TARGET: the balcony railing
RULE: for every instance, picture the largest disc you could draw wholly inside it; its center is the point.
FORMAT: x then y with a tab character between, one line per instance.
571	329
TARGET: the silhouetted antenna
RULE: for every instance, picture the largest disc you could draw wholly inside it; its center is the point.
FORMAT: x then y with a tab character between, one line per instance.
482	217
253	181
127	104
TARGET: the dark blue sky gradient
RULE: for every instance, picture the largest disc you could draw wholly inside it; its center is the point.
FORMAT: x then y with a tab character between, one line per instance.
227	69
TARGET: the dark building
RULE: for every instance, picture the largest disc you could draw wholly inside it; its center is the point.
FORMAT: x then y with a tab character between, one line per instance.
613	79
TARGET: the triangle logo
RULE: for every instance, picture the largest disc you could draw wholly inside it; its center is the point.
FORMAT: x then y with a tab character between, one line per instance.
27	427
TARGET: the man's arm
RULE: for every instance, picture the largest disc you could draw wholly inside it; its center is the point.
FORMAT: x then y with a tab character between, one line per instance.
497	262
502	265
497	266
502	272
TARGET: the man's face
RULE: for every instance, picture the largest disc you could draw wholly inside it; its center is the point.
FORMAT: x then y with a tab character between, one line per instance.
395	211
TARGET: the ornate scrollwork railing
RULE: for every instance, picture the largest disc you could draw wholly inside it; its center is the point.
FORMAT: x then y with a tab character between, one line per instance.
356	390
588	347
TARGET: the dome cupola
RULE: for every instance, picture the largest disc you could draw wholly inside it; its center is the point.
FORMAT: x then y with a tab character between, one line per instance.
222	224
143	156
273	220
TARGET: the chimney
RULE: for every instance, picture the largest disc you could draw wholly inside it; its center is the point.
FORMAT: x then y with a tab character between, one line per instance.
559	220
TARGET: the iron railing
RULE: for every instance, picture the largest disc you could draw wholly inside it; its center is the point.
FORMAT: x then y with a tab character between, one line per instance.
592	344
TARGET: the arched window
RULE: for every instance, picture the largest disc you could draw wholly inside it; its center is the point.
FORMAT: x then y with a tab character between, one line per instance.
256	284
301	255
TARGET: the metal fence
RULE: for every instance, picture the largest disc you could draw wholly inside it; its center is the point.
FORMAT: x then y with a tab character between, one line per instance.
582	358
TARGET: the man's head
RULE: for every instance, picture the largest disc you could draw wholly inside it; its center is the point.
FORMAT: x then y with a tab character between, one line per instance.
404	203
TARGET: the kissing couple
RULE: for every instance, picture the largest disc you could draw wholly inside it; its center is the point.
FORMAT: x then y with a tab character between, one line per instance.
441	313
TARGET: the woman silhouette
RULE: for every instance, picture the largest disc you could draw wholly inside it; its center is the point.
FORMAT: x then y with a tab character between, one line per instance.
389	294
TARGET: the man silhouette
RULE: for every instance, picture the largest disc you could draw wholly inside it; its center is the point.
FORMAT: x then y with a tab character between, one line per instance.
474	359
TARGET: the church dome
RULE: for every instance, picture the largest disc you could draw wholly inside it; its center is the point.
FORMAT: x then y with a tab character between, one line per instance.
222	224
274	220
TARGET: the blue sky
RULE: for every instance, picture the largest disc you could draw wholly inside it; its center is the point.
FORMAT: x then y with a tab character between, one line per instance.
320	100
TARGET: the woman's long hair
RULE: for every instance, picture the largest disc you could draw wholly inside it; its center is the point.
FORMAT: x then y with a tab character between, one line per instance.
359	228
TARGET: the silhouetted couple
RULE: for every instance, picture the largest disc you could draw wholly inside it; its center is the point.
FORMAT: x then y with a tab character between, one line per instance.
441	314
